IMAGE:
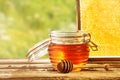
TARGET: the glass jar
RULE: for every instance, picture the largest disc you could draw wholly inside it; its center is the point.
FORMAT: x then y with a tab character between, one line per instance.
72	46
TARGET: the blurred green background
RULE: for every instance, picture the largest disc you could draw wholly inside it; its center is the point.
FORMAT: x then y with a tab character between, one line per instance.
24	23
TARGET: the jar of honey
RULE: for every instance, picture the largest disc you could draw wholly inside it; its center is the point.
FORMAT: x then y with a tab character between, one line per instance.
71	46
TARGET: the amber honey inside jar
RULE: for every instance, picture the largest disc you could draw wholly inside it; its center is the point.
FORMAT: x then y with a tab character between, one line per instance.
72	46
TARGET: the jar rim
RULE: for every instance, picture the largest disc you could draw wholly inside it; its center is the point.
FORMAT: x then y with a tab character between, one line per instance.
67	34
57	31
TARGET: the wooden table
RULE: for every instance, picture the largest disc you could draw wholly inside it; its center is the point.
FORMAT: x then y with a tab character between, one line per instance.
21	69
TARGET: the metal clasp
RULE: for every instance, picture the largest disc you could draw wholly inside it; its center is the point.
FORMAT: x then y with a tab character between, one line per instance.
87	39
38	50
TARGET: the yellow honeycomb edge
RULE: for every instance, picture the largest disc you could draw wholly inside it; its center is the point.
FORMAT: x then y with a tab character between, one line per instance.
101	18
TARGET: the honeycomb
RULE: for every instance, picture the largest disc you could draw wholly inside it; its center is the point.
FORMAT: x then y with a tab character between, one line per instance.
101	18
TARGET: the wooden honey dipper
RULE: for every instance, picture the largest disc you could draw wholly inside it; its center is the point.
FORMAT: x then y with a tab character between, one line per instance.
65	66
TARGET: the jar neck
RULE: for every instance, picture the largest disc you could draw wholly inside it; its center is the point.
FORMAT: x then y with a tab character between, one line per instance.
69	37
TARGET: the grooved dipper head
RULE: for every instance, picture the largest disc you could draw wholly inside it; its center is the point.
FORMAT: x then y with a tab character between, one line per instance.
65	66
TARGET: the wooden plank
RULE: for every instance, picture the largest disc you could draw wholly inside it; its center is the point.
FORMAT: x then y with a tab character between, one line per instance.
104	58
92	59
87	75
21	69
45	66
23	61
20	63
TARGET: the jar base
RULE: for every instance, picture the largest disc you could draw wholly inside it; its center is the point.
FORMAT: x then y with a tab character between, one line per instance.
76	69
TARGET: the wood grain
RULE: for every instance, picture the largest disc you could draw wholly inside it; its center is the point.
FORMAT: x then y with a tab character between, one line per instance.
21	69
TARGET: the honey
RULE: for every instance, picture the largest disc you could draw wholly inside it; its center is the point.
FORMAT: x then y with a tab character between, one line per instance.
76	53
71	46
